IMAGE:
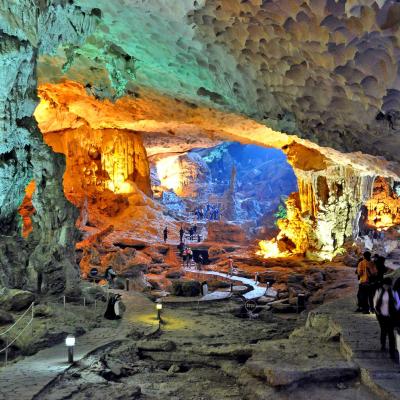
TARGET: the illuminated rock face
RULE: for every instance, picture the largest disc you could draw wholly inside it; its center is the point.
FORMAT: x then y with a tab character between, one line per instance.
325	211
102	159
332	185
30	27
182	174
384	205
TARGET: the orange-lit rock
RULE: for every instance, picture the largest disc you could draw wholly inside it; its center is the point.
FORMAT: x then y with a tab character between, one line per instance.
99	159
294	235
332	185
27	209
384	206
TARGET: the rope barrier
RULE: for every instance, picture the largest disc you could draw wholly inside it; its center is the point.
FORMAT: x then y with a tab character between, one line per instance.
10	343
16	322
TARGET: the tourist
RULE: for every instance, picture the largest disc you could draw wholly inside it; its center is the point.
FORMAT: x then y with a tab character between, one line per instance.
366	272
191	233
230	266
109	276
181	247
194	229
190	256
185	256
200	262
181	233
165	234
381	269
113	310
387	305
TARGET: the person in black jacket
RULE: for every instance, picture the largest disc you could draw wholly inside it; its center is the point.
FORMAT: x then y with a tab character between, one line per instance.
387	305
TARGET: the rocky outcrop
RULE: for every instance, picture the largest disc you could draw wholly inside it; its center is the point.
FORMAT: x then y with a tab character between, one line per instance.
383	206
30	27
325	211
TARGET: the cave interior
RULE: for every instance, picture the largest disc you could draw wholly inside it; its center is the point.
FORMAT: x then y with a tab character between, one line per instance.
271	126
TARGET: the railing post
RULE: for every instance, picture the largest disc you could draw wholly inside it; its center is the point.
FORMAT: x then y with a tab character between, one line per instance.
95	304
33	313
6	358
84	302
64	302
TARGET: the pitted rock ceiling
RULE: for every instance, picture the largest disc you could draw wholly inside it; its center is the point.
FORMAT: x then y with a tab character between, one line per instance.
325	70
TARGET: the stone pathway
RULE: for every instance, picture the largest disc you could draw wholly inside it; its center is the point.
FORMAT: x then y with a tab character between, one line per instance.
258	291
24	379
360	343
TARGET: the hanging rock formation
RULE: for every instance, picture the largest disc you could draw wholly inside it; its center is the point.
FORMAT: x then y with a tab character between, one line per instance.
325	70
29	28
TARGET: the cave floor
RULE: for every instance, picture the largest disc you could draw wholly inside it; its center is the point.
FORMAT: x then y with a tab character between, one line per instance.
205	353
23	378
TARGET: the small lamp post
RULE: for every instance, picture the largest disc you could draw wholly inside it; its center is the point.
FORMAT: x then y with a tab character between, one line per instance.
70	343
159	308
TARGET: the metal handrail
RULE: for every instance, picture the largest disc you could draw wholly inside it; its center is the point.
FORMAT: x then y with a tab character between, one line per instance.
8	344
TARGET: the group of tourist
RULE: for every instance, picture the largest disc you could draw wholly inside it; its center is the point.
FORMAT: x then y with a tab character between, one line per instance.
191	234
210	212
186	254
377	294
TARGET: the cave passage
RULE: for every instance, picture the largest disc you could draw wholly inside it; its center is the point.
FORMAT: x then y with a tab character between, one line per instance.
186	191
245	183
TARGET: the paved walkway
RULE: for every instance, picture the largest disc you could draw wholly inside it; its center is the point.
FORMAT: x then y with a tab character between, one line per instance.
24	379
360	343
255	293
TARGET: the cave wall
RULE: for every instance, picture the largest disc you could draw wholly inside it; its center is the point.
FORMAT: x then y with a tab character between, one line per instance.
383	206
100	159
324	213
27	29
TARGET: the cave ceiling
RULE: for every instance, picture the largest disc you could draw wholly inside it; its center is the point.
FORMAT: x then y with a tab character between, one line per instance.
324	70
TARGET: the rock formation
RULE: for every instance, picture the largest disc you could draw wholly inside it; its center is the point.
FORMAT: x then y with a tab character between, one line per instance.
332	185
277	73
324	70
384	205
29	28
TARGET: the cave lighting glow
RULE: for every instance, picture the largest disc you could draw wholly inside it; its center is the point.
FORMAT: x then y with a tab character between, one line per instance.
169	173
270	249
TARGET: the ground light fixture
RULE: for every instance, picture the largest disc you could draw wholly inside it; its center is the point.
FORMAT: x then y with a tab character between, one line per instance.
70	343
159	308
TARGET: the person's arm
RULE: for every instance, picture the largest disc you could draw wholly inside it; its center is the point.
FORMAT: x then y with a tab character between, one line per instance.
376	297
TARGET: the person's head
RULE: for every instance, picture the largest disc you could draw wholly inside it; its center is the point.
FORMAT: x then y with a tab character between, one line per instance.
387	283
367	255
376	256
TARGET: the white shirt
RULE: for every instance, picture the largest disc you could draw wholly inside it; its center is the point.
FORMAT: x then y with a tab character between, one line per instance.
385	302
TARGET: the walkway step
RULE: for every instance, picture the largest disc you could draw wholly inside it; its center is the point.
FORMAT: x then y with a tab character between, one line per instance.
360	343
